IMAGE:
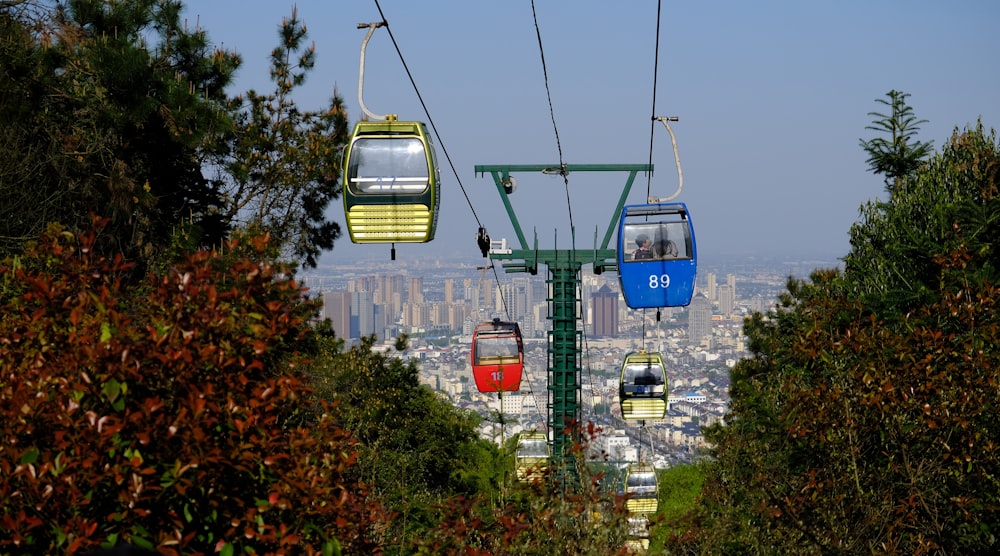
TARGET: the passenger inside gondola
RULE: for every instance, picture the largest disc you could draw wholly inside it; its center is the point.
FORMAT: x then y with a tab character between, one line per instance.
642	251
672	241
491	351
664	249
643	380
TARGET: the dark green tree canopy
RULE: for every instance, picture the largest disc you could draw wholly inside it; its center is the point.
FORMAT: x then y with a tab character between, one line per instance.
119	109
897	155
281	167
864	419
107	113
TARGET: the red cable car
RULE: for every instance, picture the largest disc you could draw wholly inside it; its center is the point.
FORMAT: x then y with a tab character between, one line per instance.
497	356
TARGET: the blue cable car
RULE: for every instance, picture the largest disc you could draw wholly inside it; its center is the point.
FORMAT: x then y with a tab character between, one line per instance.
657	255
642	391
391	183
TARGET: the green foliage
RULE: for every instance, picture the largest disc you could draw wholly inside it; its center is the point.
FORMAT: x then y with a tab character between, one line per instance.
898	155
119	109
282	167
415	449
679	486
106	110
948	204
861	424
564	511
168	415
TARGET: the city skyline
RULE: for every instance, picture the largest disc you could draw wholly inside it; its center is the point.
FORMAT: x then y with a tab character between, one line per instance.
449	300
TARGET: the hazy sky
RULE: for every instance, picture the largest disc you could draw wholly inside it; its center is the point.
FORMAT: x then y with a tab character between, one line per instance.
772	97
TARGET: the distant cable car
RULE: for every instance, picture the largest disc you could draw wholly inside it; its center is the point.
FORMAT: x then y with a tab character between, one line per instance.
642	390
532	455
391	183
497	356
638	534
638	526
640	485
657	255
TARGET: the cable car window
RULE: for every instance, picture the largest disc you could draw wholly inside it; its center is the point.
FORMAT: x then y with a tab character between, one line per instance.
657	241
531	448
643	380
641	483
380	165
492	351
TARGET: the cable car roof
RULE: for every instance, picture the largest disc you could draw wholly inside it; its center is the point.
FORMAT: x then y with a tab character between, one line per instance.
652	210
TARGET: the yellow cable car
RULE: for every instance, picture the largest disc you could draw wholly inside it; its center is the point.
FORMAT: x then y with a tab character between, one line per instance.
391	176
532	455
391	183
640	484
642	391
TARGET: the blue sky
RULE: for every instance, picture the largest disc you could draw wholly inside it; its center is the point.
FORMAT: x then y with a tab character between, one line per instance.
772	97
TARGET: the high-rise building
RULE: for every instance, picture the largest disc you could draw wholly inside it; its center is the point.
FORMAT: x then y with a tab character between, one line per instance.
604	304
439	314
506	302
456	315
726	300
417	315
522	296
362	314
699	319
489	292
389	285
337	308
363	283
731	282
710	292
415	289
449	290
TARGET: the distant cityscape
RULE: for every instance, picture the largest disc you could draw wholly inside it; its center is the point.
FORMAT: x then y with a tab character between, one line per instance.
438	302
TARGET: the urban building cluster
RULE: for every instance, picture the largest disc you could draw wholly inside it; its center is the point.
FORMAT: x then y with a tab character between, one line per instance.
438	304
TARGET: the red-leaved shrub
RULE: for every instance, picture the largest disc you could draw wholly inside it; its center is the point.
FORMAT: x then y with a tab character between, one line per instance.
166	414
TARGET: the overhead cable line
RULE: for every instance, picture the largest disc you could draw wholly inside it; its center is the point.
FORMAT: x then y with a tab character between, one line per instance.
444	150
662	119
437	135
552	114
427	112
652	119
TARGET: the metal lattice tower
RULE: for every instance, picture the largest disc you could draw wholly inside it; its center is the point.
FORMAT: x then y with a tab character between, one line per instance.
564	341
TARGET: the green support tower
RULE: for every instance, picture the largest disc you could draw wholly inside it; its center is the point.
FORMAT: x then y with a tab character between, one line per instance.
564	265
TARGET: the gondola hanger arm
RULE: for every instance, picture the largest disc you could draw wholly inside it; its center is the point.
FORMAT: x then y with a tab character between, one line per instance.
361	74
677	157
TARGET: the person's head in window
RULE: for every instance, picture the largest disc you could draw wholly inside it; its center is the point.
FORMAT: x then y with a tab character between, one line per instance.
665	249
642	252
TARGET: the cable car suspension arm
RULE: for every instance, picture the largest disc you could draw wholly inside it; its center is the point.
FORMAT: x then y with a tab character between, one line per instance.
677	158
361	74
